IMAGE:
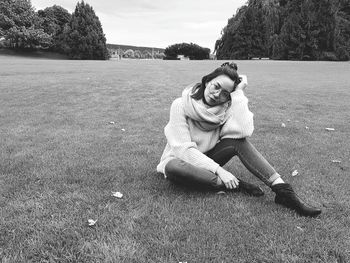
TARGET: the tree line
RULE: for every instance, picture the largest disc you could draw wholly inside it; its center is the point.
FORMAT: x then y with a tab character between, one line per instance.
78	35
136	52
282	29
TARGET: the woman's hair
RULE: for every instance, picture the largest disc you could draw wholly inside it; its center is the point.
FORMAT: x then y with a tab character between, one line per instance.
227	69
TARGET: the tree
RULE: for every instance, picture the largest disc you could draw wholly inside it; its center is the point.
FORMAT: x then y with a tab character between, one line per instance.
159	55
84	35
282	29
232	43
129	54
137	54
53	21
146	54
19	25
193	51
28	38
342	30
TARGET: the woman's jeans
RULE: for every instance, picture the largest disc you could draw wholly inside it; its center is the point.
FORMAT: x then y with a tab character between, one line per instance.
184	173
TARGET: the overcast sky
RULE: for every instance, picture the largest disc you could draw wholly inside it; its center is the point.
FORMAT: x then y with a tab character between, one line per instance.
157	23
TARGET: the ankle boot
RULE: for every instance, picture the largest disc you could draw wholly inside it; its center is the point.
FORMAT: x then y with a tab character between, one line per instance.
248	188
286	196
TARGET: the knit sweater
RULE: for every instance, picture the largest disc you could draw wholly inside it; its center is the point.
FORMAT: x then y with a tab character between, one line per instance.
186	141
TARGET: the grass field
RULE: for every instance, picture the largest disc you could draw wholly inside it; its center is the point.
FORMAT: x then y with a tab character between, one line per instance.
61	159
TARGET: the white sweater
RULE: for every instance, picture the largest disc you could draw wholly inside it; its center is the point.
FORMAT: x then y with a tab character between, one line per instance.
188	142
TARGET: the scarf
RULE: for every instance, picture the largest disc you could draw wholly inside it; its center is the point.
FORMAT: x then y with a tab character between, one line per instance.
204	116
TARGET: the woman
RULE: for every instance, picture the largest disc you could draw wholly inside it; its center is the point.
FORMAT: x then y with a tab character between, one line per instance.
209	125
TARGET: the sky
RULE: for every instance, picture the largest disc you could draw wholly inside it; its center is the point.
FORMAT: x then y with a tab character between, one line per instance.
157	23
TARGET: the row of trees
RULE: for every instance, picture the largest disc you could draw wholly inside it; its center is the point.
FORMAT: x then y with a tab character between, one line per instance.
192	51
78	35
282	29
137	54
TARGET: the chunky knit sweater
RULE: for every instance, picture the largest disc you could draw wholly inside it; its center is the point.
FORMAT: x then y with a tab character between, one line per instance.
187	141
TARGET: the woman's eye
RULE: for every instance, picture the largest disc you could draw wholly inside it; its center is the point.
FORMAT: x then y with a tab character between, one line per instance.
226	95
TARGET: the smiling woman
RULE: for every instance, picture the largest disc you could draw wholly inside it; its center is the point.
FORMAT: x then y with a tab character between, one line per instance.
218	90
209	125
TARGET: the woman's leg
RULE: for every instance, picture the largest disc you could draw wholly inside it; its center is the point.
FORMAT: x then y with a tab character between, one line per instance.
260	167
184	173
249	156
181	172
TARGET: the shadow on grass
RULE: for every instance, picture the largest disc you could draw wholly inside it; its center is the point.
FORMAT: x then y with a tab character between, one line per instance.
32	54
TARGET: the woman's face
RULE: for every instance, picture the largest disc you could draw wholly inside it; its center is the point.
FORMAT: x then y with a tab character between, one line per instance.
218	90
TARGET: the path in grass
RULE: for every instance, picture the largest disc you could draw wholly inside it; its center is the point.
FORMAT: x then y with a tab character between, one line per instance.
61	158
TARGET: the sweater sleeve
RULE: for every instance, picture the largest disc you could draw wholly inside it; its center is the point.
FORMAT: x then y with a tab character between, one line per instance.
240	124
178	136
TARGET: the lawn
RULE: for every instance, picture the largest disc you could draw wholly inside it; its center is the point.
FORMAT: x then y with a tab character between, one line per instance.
73	132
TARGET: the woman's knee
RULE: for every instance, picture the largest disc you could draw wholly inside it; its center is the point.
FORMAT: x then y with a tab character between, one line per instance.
230	145
173	167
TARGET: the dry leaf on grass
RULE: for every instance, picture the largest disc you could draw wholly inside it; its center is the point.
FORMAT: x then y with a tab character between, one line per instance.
111	122
283	125
295	172
336	161
298	227
123	129
330	129
91	222
117	194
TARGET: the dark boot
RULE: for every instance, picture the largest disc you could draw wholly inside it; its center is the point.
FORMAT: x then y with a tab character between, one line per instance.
286	196
248	188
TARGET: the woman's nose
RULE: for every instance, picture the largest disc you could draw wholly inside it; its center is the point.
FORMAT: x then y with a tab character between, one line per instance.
217	94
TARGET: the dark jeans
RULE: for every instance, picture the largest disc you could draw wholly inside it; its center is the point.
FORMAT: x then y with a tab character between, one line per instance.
185	173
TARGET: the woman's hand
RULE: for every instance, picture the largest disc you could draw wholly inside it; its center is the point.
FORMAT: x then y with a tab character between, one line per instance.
229	180
243	84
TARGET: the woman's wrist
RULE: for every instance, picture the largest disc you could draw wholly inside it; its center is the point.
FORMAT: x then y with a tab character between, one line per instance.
219	170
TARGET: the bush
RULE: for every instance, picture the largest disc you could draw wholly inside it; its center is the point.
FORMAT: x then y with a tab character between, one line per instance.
192	51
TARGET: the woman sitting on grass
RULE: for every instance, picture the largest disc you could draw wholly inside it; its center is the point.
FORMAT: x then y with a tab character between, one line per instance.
209	125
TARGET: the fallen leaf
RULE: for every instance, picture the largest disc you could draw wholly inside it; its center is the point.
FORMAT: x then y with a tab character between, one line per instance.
117	194
330	129
91	222
221	193
283	125
336	161
295	172
306	127
111	122
298	227
123	129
